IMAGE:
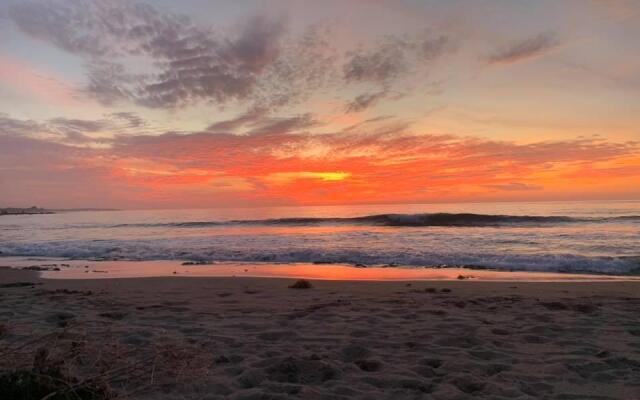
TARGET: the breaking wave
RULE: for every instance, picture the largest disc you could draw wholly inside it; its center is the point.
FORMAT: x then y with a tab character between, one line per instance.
206	249
561	239
400	220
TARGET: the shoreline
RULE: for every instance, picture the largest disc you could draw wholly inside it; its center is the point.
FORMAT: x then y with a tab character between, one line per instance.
58	268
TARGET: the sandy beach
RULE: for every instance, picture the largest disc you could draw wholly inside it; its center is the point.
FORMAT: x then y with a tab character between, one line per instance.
319	200
256	338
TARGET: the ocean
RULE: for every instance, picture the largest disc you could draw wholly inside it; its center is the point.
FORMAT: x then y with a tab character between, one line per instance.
601	237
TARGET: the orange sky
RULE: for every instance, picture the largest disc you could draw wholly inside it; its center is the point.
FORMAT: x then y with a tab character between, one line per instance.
200	170
302	103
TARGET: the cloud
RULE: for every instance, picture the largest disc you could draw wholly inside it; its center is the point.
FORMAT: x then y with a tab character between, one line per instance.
514	186
277	126
140	54
257	121
381	64
364	101
32	170
526	49
68	25
74	131
251	116
79	125
258	44
189	63
132	119
431	48
14	127
394	58
437	161
280	164
110	83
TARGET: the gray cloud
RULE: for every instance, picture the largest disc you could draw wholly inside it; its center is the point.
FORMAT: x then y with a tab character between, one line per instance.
109	82
132	119
184	63
364	101
432	48
78	125
380	64
526	49
190	63
394	57
368	122
230	125
258	45
257	121
71	130
14	127
305	66
67	25
275	126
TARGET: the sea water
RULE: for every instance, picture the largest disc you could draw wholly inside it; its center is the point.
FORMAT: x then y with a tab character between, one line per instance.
593	237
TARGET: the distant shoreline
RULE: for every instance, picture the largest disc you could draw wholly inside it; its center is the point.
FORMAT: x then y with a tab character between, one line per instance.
83	209
38	211
24	211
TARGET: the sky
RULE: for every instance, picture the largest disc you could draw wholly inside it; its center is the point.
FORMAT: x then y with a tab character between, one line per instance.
196	104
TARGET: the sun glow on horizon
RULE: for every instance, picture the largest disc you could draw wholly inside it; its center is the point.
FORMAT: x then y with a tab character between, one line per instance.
287	177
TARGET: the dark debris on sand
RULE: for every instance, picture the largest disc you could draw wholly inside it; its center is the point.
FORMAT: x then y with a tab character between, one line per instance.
301	284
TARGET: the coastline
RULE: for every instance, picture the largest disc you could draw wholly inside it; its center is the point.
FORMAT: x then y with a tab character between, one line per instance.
253	338
60	268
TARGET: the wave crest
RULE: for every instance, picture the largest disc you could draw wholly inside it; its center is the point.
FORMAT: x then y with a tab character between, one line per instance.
398	220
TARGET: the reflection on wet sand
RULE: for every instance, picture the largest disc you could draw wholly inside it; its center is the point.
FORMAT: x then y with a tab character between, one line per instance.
87	269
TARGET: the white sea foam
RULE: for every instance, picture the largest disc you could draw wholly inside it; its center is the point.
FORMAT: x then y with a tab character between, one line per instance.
202	249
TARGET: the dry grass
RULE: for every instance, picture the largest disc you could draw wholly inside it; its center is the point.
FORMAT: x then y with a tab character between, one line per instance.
71	365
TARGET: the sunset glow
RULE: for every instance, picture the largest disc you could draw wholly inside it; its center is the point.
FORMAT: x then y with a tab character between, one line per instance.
249	105
319	199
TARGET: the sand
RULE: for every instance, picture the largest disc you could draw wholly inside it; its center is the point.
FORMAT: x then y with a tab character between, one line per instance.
255	338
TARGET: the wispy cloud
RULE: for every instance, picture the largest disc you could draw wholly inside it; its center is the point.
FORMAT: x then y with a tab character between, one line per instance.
258	122
258	63
380	64
283	165
364	101
74	131
393	57
189	63
514	186
155	105
249	117
527	49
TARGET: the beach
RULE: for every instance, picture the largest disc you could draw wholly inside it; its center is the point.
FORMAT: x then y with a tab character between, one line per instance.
256	338
319	200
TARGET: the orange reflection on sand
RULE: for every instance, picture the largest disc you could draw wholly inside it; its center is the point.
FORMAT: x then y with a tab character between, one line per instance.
347	272
141	269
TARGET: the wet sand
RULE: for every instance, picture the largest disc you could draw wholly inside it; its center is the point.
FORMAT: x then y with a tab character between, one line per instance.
55	268
255	338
